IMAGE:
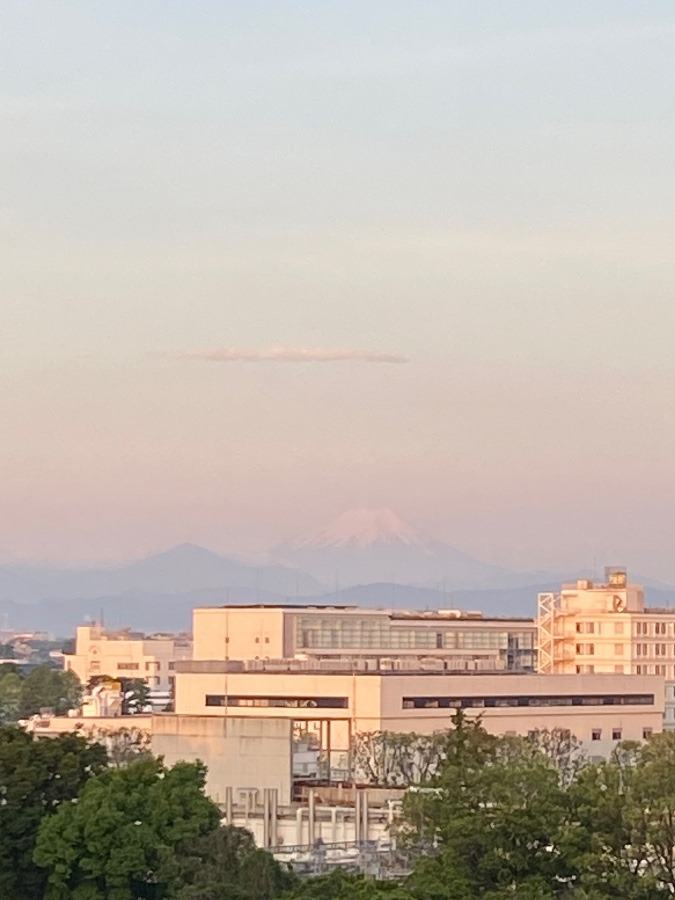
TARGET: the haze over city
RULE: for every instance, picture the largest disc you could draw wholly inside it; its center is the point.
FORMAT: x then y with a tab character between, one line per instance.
268	262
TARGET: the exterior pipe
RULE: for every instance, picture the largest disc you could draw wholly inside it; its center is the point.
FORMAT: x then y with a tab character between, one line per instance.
311	835
298	826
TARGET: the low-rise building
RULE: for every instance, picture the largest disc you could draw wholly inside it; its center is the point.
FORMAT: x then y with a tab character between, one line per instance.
126	654
599	710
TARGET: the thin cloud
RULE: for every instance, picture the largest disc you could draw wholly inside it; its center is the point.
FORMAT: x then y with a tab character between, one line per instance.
295	355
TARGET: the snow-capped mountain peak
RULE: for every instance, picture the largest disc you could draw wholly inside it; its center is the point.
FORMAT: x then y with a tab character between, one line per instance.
363	527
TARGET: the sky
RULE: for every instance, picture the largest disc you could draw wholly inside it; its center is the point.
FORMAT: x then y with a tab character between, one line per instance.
261	262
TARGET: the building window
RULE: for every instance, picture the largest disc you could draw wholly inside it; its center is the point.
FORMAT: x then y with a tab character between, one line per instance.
638	670
489	702
257	640
596	734
127	667
267	640
618	628
616	734
646	733
618	670
618	649
277	702
172	666
585	627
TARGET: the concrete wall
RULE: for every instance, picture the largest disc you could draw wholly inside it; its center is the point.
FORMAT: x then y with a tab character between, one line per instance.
376	702
581	721
231	633
238	752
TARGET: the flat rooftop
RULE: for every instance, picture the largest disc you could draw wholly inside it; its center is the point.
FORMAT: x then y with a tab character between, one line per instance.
443	615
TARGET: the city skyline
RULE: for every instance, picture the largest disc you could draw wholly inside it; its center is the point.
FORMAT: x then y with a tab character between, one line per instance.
266	264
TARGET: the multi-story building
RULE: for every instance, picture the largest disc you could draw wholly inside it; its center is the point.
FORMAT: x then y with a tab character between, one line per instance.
126	654
446	639
590	627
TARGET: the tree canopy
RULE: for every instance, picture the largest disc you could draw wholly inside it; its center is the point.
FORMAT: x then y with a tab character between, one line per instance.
113	842
36	778
23	695
494	818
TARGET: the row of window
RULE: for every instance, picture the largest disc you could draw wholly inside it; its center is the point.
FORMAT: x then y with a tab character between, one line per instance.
641	628
639	670
283	702
657	628
640	650
596	627
330	632
155	666
542	700
617	733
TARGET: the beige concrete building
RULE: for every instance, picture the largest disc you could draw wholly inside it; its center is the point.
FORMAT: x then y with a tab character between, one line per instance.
125	654
599	709
445	639
590	627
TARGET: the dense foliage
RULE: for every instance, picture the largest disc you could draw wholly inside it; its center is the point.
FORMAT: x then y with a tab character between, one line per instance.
36	778
111	843
493	818
23	695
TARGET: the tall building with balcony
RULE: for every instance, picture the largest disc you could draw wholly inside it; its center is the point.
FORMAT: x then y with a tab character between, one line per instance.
443	639
604	627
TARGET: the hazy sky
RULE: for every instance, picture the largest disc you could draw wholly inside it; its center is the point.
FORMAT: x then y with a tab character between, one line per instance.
198	197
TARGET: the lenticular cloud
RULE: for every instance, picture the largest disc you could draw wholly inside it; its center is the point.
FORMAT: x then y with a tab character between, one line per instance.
295	354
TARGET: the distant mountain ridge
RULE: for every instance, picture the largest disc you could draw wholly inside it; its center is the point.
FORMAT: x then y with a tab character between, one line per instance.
366	545
184	568
366	557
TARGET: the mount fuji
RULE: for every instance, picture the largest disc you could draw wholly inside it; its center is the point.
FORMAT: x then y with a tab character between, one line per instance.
366	545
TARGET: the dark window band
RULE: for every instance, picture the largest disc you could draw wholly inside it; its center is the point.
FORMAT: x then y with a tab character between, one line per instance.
541	700
284	702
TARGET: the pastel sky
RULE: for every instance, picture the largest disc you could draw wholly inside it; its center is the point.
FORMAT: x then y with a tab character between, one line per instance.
263	261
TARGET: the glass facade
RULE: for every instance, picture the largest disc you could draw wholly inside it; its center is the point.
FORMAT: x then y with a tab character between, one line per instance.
515	648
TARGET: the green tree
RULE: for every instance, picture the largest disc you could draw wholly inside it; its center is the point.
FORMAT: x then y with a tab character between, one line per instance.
223	865
45	687
113	843
341	886
36	778
7	651
135	696
10	696
498	813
